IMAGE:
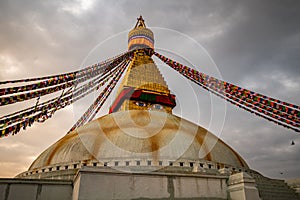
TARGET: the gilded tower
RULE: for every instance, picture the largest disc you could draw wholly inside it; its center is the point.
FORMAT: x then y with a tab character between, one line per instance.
143	87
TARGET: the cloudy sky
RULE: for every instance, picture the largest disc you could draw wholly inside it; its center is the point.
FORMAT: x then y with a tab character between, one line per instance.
254	44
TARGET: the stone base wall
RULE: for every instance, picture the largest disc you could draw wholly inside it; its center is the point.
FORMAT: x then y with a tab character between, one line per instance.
172	183
91	183
242	186
295	184
20	189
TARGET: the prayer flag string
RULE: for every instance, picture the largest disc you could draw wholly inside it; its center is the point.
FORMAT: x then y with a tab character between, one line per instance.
40	112
33	93
99	101
66	98
279	112
84	70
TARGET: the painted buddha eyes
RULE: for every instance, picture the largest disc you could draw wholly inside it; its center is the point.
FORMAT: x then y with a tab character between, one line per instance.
156	107
151	107
142	104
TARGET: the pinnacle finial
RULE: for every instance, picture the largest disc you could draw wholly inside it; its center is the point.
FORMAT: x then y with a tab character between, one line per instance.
140	36
140	22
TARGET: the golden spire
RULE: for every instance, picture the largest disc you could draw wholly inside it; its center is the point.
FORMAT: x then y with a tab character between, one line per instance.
143	86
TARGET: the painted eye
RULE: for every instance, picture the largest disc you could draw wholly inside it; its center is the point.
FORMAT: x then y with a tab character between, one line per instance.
156	107
139	103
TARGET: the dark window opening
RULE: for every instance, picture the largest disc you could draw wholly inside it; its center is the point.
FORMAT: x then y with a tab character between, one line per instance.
57	168
149	162
66	167
160	163
75	166
116	163
181	164
105	164
138	162
201	164
127	163
170	163
191	164
94	164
